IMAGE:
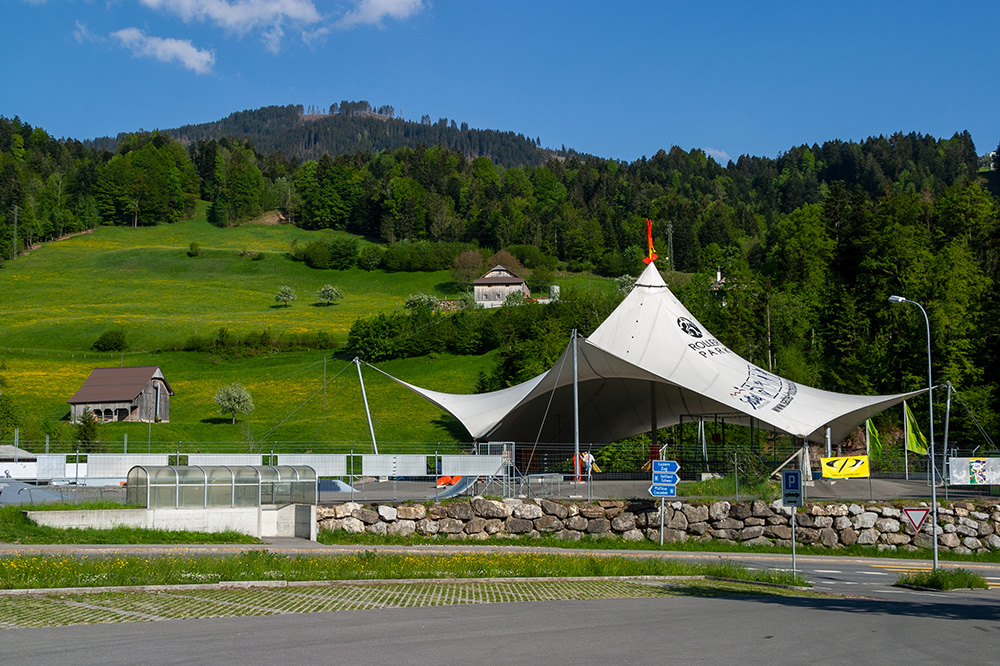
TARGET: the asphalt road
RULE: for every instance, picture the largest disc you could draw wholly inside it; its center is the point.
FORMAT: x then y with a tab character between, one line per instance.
669	630
874	622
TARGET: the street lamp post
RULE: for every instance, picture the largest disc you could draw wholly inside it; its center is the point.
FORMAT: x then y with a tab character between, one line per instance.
930	400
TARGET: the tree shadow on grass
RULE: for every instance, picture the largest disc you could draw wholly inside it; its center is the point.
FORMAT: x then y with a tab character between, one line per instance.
454	427
451	289
217	420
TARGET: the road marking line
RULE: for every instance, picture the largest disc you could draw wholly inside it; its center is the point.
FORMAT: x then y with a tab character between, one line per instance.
827	571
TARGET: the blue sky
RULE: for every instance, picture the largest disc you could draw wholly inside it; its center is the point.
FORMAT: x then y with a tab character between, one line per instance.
616	79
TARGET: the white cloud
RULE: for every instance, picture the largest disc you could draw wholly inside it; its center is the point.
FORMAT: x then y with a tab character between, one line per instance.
241	16
83	34
166	50
721	156
317	36
373	11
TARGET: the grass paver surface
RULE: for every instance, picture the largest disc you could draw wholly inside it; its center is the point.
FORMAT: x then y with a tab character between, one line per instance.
62	609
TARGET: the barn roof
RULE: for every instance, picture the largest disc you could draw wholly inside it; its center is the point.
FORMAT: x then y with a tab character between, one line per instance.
117	384
509	278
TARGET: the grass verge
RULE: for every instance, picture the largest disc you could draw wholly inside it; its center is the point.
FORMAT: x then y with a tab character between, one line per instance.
15	527
41	571
944	579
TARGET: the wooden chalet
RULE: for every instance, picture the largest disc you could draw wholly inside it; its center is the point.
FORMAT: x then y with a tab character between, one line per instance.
492	289
124	394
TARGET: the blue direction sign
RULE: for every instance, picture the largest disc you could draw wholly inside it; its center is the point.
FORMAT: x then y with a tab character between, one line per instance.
665	466
667	478
663	490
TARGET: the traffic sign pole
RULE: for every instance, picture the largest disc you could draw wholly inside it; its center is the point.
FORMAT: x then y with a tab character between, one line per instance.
791	495
795	510
664	485
663	504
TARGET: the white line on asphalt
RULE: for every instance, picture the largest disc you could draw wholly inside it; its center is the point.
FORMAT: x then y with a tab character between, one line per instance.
874	573
827	571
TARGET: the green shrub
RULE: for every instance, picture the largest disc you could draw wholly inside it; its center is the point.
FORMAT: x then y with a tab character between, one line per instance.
194	250
944	579
88	431
370	257
111	340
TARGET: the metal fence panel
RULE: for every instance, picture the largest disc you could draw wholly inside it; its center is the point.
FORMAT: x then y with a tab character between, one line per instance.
111	465
393	466
471	465
974	471
325	464
251	459
51	465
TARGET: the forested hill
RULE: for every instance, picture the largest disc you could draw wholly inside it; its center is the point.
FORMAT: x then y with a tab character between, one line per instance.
810	244
357	127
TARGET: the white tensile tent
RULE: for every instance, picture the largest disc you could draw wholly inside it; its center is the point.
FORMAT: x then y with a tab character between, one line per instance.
652	363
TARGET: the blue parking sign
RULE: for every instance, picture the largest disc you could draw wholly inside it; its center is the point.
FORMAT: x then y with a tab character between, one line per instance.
791	487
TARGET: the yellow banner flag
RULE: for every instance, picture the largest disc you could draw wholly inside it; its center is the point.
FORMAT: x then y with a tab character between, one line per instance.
847	467
915	440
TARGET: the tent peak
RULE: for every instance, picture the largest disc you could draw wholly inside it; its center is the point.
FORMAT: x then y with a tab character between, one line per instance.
650	277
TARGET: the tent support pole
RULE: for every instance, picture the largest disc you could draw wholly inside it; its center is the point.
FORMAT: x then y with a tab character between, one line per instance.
364	396
576	410
944	448
652	415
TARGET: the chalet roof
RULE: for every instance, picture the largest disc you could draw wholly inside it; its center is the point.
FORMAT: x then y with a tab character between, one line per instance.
509	278
117	384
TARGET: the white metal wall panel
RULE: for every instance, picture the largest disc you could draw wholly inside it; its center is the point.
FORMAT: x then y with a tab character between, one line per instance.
50	465
388	465
325	464
111	465
224	459
974	471
471	465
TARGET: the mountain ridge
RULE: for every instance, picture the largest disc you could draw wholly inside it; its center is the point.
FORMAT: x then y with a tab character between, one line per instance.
360	129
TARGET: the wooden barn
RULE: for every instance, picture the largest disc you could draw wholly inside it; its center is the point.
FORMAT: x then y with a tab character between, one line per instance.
491	290
124	394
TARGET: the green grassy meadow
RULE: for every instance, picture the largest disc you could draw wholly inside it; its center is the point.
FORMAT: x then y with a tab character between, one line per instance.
59	298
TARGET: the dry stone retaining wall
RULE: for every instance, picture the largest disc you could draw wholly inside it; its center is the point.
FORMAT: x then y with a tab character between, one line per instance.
963	527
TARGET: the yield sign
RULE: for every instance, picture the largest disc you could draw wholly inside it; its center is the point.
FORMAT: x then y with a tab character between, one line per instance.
916	515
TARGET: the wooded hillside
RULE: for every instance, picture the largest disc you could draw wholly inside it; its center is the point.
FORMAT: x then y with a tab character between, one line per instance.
809	245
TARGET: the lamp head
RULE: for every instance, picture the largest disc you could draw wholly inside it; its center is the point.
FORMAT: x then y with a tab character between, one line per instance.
897	299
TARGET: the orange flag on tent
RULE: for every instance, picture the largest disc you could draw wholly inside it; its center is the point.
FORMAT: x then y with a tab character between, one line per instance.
649	237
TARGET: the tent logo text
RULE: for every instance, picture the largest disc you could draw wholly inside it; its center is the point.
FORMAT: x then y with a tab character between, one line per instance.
689	327
759	389
709	347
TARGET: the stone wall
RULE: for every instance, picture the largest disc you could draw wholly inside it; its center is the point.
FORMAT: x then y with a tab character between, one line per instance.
964	527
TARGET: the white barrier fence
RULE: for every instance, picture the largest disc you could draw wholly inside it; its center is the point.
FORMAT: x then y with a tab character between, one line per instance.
109	466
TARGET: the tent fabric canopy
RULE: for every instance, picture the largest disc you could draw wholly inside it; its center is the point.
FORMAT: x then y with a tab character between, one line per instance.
652	356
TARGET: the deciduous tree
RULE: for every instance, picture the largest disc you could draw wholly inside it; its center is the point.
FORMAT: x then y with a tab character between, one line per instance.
234	399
